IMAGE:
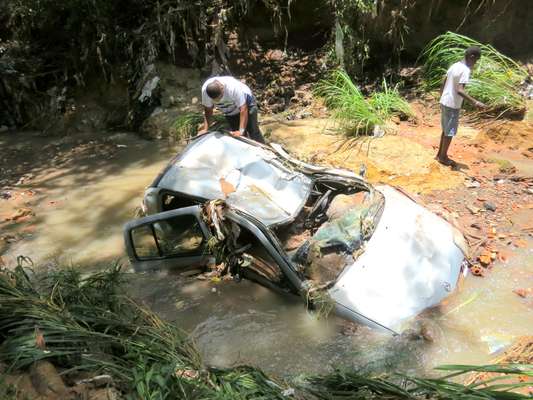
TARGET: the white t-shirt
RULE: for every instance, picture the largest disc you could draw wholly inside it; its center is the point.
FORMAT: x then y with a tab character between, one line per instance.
458	73
236	94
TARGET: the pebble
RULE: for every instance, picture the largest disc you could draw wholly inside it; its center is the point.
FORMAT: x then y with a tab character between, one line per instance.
472	184
489	206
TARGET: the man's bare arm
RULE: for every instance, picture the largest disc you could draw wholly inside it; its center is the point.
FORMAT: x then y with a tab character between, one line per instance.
462	92
243	118
208	114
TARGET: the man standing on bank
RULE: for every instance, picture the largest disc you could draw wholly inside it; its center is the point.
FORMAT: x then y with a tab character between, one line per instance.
235	100
452	95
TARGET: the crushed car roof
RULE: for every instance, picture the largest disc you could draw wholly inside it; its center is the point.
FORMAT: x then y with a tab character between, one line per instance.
248	176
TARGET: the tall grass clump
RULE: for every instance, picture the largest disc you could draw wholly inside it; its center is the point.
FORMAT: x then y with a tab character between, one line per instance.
495	79
186	125
355	113
88	324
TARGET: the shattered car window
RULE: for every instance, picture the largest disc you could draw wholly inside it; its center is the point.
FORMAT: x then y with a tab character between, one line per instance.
340	240
177	236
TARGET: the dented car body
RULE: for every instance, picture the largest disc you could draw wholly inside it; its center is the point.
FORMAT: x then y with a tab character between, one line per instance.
236	207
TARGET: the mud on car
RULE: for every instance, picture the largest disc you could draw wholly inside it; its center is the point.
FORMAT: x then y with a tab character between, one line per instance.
238	208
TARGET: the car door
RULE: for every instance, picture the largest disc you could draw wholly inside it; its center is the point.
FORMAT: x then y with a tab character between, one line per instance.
175	239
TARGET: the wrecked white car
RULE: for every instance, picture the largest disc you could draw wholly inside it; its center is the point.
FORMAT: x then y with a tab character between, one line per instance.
251	211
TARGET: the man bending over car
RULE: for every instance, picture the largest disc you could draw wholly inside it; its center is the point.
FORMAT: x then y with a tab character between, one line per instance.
235	100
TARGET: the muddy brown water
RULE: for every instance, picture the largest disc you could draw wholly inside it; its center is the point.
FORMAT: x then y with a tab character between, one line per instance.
79	214
244	323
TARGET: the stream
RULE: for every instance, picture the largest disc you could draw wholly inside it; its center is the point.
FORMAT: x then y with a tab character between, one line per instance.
79	210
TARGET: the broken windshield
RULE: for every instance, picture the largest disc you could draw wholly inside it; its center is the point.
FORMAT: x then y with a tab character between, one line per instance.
351	221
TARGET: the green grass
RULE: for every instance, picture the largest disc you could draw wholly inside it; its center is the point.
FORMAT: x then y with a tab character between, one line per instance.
495	78
186	125
88	324
356	114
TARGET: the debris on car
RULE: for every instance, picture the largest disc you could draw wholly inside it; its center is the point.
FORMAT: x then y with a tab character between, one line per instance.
236	208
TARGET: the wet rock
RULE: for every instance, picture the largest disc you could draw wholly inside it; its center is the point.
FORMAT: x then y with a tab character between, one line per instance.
23	384
46	379
148	89
489	206
160	124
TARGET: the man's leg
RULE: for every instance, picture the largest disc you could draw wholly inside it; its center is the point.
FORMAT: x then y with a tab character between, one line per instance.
440	146
450	123
252	127
443	157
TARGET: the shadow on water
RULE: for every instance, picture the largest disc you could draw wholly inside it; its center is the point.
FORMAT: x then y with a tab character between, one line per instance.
83	189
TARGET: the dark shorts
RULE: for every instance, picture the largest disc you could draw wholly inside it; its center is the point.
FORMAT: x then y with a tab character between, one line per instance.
449	120
252	127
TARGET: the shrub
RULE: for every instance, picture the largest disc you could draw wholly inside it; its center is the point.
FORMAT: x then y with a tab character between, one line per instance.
355	113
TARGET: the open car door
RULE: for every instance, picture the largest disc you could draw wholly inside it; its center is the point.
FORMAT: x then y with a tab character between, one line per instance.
175	239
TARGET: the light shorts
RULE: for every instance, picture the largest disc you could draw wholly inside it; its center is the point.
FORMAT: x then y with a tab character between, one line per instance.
449	120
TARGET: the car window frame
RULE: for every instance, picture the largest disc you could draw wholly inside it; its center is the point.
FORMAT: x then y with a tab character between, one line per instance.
156	262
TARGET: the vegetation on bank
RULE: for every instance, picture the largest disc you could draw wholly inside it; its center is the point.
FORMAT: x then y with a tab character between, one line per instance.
48	47
495	80
186	125
89	324
356	114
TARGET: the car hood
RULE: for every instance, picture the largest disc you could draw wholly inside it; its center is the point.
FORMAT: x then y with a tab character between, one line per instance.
248	176
410	263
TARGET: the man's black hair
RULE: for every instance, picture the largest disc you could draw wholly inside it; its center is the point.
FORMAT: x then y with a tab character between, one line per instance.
213	90
473	51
